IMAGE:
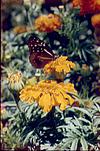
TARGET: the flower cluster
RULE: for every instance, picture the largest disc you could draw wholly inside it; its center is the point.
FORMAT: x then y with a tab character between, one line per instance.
59	67
48	23
49	93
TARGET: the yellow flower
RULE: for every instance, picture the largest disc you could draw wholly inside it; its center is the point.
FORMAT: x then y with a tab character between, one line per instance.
15	80
59	67
48	23
49	93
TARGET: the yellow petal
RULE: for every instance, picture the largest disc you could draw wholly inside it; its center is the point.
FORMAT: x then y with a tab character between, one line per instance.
36	94
54	103
64	105
59	98
45	102
71	100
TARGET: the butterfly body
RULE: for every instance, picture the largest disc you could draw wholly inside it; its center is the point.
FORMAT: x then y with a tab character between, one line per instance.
40	52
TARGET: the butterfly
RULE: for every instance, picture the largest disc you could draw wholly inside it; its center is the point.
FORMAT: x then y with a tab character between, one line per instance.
40	52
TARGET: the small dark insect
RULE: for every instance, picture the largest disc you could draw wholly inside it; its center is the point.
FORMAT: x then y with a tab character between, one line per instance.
40	52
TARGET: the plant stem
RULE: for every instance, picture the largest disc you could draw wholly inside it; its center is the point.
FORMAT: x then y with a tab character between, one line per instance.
15	101
30	22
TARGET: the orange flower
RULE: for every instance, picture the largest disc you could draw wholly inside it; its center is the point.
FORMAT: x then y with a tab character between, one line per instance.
47	23
96	21
76	3
87	6
96	24
21	29
59	67
49	93
97	6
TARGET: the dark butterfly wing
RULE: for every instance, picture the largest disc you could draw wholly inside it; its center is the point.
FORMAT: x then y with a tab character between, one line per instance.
40	52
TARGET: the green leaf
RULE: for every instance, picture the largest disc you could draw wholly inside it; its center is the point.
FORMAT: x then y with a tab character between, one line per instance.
74	145
96	121
74	129
67	119
11	104
97	106
83	110
84	144
29	112
84	120
66	143
44	115
70	134
84	55
77	121
28	137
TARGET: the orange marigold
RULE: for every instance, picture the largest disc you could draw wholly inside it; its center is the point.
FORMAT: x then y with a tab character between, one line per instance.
76	3
97	6
49	93
87	6
21	29
59	67
48	23
96	21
